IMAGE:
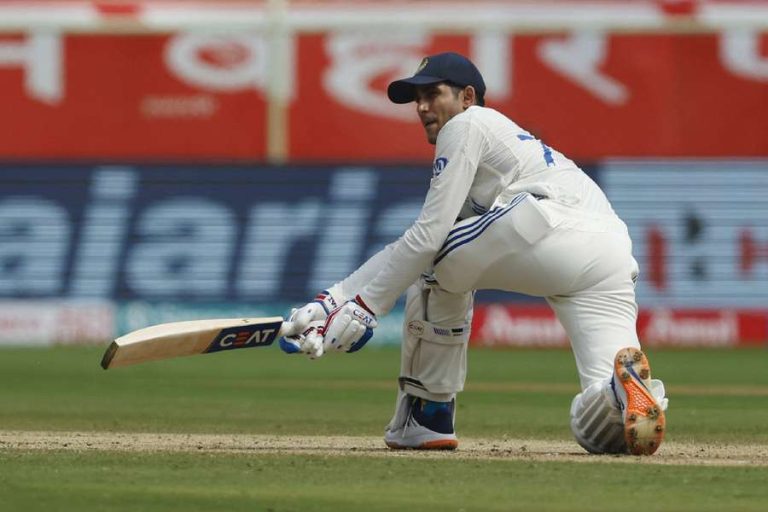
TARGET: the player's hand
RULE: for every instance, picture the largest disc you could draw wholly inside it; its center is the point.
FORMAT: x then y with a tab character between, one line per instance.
316	310
349	327
309	341
300	332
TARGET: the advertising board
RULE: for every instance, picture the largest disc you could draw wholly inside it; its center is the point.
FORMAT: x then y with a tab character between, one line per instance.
202	96
146	244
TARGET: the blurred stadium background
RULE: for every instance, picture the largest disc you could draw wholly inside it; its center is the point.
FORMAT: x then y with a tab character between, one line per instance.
167	160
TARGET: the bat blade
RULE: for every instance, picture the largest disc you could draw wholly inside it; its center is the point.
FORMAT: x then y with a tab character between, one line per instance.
176	339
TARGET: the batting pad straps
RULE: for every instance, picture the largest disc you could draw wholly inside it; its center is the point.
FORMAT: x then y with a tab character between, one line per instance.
410	381
437	333
437	367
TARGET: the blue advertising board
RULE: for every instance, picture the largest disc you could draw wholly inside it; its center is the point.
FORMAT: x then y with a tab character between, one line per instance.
699	229
267	235
207	233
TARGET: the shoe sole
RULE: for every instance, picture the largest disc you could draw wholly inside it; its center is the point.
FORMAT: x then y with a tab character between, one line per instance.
437	444
644	421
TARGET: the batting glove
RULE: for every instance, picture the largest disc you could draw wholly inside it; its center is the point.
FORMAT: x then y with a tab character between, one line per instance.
309	341
304	323
349	327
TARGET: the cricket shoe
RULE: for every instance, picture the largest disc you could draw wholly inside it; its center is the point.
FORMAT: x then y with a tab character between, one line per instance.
426	425
641	401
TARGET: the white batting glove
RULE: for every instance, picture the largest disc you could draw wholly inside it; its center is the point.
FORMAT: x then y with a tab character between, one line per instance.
309	342
349	327
296	330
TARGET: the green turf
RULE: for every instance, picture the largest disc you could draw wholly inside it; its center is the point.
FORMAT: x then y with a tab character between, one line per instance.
716	396
184	482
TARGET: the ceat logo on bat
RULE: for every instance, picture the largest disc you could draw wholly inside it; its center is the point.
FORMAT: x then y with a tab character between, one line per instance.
245	336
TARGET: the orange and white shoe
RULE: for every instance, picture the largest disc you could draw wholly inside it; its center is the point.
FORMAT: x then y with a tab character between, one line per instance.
425	425
641	401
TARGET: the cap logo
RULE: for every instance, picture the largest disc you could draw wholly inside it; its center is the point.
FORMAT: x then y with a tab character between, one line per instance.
423	64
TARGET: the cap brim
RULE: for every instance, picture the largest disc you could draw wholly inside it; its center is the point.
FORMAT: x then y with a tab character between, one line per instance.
404	91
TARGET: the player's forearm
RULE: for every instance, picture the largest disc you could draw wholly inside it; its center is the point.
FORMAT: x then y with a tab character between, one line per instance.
413	254
382	292
409	257
356	281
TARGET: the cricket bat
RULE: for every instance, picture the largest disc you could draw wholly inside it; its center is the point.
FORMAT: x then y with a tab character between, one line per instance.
176	339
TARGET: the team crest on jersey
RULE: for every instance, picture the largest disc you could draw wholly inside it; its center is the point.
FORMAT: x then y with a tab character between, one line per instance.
438	166
423	64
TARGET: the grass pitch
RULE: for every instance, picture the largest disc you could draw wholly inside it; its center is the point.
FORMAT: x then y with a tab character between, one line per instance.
515	397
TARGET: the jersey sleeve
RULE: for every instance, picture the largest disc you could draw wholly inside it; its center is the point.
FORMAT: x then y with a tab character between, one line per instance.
458	151
357	280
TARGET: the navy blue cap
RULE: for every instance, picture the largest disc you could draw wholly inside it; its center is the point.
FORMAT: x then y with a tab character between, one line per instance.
443	67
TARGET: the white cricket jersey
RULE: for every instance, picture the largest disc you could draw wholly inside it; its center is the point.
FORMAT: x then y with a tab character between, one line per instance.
482	159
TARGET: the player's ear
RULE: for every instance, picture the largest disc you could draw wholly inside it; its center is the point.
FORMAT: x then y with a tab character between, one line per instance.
470	97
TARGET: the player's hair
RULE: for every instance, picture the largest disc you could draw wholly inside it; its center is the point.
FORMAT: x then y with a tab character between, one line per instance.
479	100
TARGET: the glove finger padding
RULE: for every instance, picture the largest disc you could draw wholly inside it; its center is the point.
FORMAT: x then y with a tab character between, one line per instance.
360	343
309	342
300	318
350	331
318	309
354	337
349	327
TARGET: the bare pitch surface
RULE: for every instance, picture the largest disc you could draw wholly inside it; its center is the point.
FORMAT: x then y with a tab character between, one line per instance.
671	453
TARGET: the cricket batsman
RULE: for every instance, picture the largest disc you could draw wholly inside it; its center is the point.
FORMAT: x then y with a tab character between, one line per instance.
504	211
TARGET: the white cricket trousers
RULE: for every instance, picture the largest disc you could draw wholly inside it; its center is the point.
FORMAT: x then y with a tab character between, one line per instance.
581	263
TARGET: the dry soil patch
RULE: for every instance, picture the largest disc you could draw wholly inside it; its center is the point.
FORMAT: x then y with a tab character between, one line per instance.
518	449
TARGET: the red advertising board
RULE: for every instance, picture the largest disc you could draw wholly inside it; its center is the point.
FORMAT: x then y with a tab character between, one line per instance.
156	97
510	325
195	95
589	95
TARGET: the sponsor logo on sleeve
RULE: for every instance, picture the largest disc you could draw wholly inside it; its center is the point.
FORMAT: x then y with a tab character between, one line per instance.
440	164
